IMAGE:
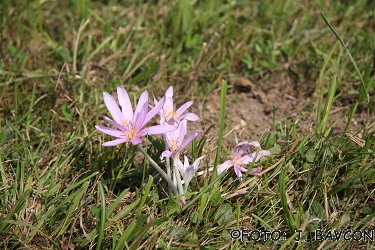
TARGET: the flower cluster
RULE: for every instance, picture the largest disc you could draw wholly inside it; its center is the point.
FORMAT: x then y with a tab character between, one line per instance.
130	127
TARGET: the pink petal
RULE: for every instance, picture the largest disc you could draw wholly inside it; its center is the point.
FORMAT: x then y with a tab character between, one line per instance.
166	153
139	123
256	171
142	100
114	142
125	104
260	155
186	163
246	145
159	129
240	144
119	126
169	92
189	172
190	138
137	140
155	101
190	117
180	166
109	131
155	110
197	161
246	159
113	108
183	108
168	138
221	168
182	131
242	169
168	106
254	144
238	173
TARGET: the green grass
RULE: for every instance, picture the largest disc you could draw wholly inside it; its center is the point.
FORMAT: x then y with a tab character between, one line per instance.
58	184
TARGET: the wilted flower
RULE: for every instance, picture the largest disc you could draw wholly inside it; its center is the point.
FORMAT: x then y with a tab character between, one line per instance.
176	140
130	125
169	115
188	171
239	160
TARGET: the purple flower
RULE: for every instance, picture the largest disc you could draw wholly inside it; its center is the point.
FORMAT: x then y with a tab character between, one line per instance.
176	140
169	115
188	171
239	160
130	125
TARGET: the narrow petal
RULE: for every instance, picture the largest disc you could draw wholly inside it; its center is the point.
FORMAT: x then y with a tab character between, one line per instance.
113	108
139	123
190	138
168	108
256	171
137	140
246	159
245	145
254	144
238	173
180	166
186	163
169	92
142	100
155	110
114	142
155	101
197	161
183	108
189	171
189	116
166	153
158	129
260	155
188	175
168	139
240	168
155	104
119	126
182	131
221	168
110	131
125	104
240	144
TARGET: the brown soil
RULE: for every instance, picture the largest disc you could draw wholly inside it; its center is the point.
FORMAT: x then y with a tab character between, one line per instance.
249	110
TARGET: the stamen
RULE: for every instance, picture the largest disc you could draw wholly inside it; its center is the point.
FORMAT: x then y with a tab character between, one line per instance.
131	133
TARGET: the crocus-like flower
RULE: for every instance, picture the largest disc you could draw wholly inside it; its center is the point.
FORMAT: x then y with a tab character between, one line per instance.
239	160
188	171
169	115
176	140
130	125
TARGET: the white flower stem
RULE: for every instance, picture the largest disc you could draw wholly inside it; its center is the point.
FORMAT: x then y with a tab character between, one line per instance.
178	176
163	174
168	164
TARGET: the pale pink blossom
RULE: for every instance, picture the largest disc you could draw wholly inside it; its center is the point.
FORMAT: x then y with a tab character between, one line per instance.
176	140
129	125
188	171
168	113
239	160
